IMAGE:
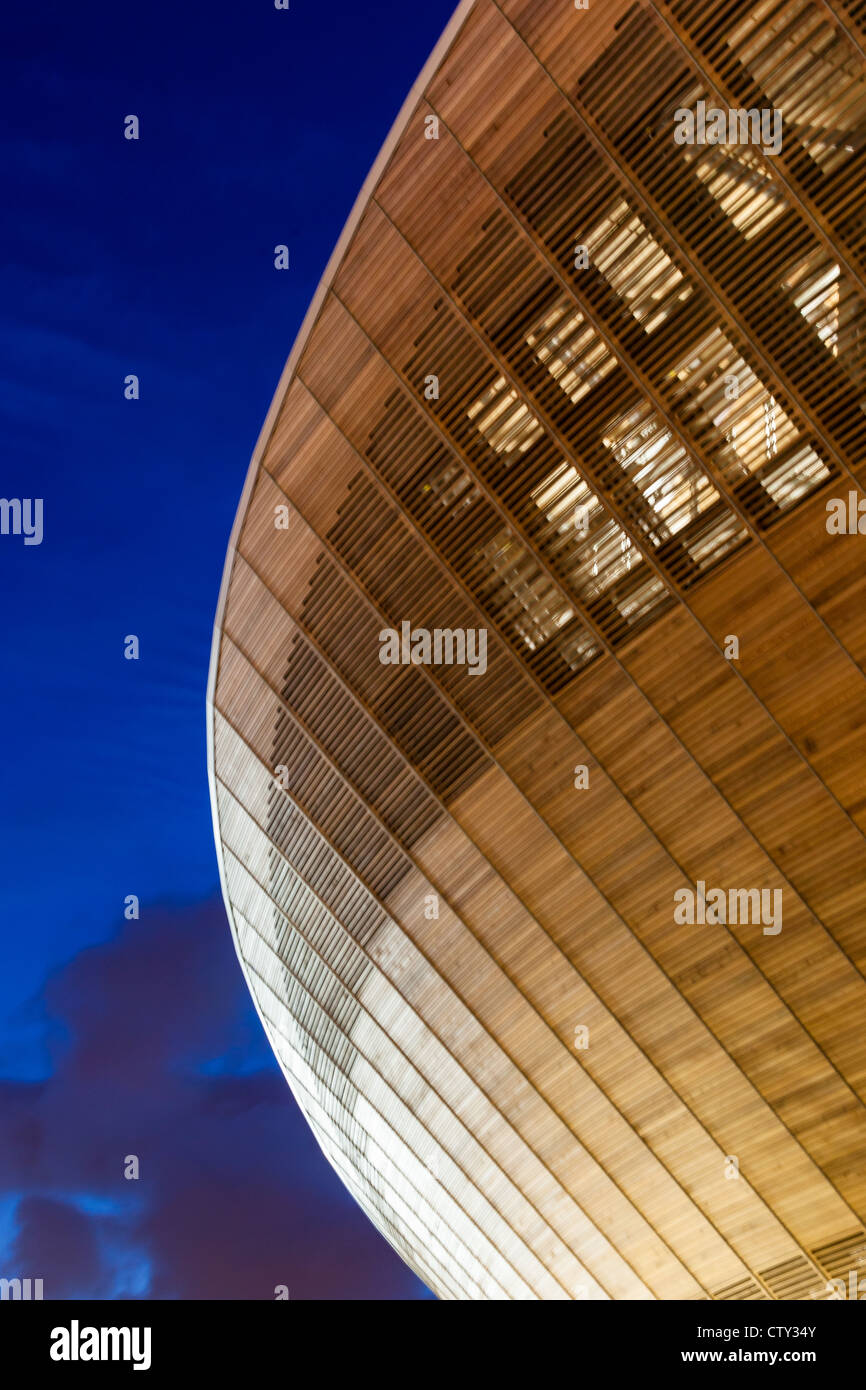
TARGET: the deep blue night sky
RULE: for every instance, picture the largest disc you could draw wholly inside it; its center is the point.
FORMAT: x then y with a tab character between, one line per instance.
155	258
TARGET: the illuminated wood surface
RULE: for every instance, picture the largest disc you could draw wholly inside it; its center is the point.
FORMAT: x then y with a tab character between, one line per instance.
435	1056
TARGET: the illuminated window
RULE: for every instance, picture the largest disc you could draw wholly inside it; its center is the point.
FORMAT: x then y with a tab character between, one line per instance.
743	426
636	267
831	305
506	422
810	72
571	351
454	489
740	183
595	555
659	468
519	594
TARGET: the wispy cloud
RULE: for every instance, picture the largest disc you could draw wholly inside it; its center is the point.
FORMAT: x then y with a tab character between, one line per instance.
156	1052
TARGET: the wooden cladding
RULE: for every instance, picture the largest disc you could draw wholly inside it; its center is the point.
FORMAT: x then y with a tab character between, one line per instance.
586	390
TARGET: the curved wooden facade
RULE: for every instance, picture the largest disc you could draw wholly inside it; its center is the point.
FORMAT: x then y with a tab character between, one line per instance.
588	391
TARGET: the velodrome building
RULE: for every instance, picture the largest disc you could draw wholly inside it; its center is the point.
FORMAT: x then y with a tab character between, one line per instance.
537	706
